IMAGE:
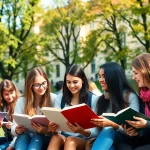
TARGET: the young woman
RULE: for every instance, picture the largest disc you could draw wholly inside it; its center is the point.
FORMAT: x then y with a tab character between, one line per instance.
8	97
75	91
37	95
118	94
141	137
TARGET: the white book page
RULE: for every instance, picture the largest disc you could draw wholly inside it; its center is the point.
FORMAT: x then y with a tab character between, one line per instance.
23	120
56	117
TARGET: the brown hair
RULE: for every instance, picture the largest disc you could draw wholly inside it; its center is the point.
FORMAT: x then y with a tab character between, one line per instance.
7	85
142	64
46	99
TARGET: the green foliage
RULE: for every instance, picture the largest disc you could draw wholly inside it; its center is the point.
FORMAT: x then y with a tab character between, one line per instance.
63	27
18	44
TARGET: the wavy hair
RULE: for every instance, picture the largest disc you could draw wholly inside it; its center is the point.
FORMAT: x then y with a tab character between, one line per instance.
29	93
7	85
76	71
142	64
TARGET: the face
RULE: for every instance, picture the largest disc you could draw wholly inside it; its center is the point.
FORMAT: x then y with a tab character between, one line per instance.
74	84
9	96
39	85
138	77
102	80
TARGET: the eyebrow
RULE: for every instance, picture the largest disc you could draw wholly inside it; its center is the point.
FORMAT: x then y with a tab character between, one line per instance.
39	83
72	81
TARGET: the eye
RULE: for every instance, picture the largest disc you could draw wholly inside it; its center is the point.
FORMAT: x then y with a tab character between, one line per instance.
68	82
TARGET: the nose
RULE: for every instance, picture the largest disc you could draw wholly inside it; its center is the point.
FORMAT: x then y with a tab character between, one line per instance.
41	86
71	85
133	77
10	96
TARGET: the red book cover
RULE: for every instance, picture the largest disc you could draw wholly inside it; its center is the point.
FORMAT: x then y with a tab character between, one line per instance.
82	114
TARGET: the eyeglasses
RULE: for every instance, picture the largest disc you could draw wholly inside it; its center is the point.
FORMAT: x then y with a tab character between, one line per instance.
43	84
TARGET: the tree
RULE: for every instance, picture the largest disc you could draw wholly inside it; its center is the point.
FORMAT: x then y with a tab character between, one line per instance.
18	50
63	28
136	14
109	37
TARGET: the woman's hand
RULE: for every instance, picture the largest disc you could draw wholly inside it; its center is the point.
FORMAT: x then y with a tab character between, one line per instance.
8	125
78	129
75	128
139	123
130	131
20	129
52	127
104	122
39	128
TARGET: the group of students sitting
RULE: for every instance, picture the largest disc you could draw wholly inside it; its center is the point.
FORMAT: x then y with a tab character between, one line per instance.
117	95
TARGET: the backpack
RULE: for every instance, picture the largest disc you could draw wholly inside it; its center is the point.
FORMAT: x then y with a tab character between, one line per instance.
89	100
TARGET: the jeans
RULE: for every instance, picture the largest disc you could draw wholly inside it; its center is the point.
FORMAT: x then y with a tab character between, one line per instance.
105	139
27	142
4	143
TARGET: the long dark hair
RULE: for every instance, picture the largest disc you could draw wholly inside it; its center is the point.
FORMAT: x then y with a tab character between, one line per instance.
116	82
76	71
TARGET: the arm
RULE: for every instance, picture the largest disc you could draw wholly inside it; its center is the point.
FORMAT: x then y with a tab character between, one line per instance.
134	101
57	102
19	108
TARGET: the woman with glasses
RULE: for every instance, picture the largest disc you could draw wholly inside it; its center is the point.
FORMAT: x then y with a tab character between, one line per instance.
37	95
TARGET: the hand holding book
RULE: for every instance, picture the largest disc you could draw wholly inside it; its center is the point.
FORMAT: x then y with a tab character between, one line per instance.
138	123
130	131
104	122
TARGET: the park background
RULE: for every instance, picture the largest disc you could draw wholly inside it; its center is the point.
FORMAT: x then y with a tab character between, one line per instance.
56	34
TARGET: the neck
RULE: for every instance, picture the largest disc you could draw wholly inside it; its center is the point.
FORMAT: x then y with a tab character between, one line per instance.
37	99
75	99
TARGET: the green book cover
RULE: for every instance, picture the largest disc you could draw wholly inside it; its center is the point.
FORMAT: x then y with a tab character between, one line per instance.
125	114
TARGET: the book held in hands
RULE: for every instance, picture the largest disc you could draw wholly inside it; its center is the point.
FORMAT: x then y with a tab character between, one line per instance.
123	115
81	114
26	120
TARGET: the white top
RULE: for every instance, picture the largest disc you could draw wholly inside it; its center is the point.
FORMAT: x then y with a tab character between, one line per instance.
19	109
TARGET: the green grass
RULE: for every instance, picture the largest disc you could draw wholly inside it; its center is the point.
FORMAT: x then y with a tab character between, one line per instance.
1	132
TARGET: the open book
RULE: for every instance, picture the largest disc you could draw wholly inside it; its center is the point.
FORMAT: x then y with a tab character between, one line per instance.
25	120
123	115
81	114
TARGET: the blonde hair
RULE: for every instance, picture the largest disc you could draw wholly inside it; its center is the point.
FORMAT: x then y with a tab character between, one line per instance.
142	64
7	85
46	99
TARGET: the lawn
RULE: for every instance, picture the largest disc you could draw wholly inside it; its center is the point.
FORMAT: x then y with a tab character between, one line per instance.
1	132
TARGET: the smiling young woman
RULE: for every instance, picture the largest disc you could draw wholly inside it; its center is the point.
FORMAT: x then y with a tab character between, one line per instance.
75	91
37	95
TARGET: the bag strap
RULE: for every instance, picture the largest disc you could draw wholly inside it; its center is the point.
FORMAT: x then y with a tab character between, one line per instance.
89	100
127	99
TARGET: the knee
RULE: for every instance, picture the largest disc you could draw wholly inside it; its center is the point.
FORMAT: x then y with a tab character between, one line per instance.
23	136
37	137
108	130
70	141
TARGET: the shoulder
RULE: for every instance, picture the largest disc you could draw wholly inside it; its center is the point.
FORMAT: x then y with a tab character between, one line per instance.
53	96
133	96
58	99
20	105
21	100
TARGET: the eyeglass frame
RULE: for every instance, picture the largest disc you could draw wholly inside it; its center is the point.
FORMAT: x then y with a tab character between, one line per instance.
38	85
